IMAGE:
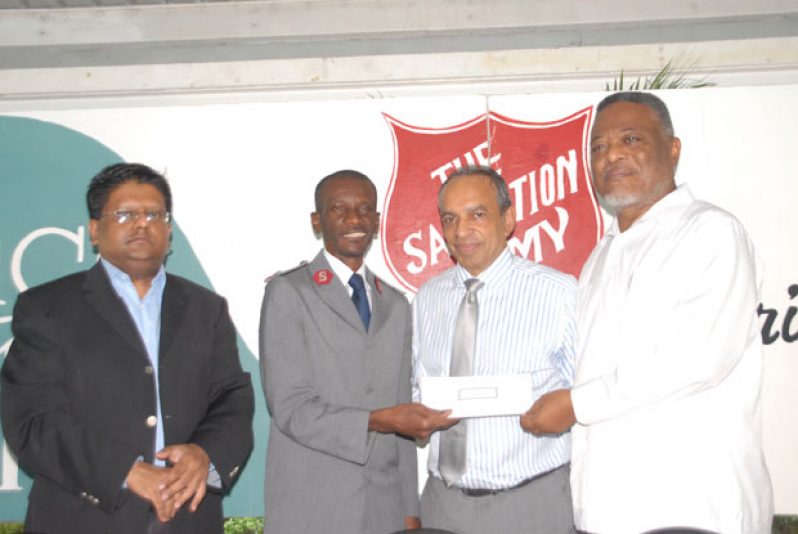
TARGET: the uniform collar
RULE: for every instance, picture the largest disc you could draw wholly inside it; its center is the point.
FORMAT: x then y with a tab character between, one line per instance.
342	270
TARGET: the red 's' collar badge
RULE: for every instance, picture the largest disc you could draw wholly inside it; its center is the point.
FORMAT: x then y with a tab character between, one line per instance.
323	277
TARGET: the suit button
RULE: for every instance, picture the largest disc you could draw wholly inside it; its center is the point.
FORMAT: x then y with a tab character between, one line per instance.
148	369
152	421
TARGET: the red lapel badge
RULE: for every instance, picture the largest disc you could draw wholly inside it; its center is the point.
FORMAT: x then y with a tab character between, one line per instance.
378	285
323	277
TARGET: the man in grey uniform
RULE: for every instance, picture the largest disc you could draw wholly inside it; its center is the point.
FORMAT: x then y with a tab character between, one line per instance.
335	361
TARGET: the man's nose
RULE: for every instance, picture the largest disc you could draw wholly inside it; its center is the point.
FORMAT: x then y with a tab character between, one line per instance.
615	151
353	216
461	227
141	220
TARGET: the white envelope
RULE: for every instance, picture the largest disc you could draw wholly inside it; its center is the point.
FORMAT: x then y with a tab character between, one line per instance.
478	396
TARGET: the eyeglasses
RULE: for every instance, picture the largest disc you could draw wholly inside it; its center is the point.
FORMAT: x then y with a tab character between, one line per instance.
129	216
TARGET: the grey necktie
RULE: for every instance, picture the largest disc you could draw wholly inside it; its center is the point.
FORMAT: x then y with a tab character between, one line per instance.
452	450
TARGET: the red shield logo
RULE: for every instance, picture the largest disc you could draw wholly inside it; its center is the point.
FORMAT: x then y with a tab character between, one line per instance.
558	220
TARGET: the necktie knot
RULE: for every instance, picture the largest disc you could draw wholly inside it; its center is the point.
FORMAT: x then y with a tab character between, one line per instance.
356	282
360	299
472	286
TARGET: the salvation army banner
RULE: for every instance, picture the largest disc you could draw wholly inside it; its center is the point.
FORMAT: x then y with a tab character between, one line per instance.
243	177
558	221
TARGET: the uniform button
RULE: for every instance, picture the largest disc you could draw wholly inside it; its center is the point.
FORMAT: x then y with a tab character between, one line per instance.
95	501
148	369
152	421
83	494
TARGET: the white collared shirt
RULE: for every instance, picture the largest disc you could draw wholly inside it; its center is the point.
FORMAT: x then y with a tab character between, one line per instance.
344	273
668	382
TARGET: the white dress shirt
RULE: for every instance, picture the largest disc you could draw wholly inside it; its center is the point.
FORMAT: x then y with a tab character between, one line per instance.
669	377
344	273
526	325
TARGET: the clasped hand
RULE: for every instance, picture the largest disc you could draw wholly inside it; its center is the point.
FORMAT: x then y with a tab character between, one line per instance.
167	489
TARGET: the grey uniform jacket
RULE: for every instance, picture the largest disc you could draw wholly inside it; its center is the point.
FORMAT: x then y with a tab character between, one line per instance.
322	374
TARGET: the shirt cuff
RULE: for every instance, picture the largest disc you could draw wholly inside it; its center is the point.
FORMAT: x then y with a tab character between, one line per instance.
214	480
588	400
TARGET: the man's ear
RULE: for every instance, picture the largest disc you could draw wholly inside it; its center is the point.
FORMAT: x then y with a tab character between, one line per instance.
315	222
93	229
676	150
509	221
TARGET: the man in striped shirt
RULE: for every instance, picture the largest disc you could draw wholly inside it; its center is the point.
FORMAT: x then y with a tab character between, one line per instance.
513	481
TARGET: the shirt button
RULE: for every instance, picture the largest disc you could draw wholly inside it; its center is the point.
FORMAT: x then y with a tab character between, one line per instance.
152	421
148	369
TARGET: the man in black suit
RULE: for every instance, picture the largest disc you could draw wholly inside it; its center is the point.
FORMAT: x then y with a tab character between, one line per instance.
122	393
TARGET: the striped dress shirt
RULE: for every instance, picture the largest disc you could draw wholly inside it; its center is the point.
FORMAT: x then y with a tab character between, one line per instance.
526	324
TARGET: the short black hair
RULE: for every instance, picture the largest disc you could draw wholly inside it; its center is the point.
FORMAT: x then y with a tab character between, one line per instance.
502	193
113	176
646	99
338	175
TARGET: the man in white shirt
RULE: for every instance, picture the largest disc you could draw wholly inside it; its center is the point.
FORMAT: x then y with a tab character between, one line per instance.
666	396
499	478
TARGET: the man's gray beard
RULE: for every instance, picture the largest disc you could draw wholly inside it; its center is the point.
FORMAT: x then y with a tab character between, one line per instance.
620	201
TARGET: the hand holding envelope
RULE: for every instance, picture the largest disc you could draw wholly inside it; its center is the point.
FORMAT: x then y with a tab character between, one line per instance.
552	413
410	419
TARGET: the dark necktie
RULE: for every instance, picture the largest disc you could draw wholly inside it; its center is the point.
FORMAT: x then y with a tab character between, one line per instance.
360	299
452	450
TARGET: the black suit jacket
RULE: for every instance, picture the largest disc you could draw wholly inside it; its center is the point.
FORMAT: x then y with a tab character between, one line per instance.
78	389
